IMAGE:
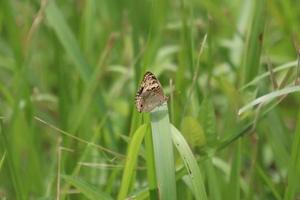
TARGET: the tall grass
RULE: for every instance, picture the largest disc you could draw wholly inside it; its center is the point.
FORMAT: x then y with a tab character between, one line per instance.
69	71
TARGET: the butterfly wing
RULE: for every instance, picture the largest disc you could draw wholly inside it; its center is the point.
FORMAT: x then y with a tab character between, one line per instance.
150	94
153	99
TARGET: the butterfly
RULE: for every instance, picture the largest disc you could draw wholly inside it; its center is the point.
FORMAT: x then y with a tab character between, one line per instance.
150	94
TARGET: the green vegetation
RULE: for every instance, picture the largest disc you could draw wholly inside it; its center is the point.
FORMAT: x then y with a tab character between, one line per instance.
69	71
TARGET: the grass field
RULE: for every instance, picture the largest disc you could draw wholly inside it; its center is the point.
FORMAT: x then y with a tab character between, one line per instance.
69	72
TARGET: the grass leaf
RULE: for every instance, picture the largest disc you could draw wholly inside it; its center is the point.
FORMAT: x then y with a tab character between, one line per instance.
163	153
66	37
190	162
89	191
267	74
268	181
255	41
131	160
268	97
233	190
294	165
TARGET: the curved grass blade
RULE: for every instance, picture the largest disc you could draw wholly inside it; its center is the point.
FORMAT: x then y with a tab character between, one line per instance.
269	97
67	38
163	153
89	190
131	159
190	162
264	75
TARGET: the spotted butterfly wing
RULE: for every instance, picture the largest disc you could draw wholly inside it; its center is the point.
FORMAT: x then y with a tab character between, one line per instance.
150	94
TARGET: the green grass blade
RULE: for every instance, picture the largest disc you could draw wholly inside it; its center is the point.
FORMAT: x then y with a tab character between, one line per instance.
294	165
190	162
87	97
66	37
15	178
88	23
267	74
163	153
13	31
131	160
151	175
277	137
213	181
89	191
234	182
88	148
254	41
269	97
268	181
2	160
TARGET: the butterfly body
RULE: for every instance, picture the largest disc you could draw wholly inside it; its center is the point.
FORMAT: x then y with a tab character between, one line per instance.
150	94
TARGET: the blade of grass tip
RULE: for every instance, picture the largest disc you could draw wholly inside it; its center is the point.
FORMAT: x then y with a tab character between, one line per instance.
66	37
131	160
269	97
163	153
88	190
190	162
294	165
267	74
246	129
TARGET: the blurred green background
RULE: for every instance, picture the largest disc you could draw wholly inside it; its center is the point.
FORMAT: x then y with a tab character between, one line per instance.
69	71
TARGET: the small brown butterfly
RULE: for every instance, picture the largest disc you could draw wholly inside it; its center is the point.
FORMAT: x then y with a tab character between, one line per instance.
150	94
